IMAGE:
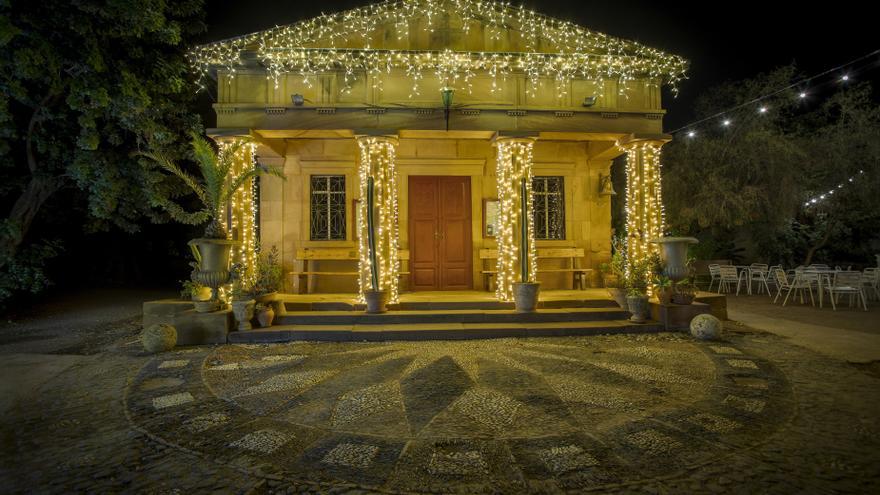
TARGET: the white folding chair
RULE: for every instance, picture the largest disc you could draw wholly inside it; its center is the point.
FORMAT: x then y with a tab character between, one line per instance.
728	275
758	273
871	282
715	274
847	283
803	281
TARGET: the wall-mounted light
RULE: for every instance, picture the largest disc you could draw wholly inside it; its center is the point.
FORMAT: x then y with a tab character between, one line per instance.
590	100
446	94
606	188
297	99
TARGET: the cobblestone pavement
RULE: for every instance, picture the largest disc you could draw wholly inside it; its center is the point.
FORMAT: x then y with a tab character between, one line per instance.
622	414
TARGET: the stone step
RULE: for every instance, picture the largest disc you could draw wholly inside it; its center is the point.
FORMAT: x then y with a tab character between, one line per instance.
436	331
439	305
449	316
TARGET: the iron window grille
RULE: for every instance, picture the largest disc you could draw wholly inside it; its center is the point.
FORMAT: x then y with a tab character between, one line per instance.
548	195
327	208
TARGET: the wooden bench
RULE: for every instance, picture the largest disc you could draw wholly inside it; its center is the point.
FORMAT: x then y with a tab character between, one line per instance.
307	259
579	275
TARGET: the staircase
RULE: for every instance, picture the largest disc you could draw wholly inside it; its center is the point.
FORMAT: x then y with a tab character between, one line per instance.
443	320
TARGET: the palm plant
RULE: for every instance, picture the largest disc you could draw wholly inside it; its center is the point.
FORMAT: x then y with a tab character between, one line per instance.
216	186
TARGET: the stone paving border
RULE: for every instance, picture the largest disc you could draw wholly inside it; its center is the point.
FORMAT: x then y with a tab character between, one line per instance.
688	437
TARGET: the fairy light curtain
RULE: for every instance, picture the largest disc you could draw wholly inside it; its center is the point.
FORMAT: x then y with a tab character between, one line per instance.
240	220
514	164
645	217
377	160
345	41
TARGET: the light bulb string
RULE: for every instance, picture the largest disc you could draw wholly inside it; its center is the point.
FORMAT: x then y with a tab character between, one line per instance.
799	82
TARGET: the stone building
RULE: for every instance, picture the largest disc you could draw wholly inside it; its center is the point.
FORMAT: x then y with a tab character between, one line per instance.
440	88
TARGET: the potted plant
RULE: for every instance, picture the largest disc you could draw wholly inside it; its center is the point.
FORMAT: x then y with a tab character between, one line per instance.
214	189
193	291
376	298
265	314
664	289
685	292
268	276
637	278
243	302
526	291
614	282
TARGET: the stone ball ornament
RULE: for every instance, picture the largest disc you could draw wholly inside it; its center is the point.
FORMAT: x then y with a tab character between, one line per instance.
706	327
159	338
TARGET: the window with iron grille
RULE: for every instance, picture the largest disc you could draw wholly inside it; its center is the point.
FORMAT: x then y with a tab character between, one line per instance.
548	195
327	208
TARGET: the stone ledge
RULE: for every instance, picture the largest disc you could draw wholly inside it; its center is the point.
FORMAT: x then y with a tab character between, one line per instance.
193	328
677	316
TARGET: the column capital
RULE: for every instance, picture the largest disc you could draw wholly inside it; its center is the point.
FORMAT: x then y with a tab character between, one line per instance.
514	137
633	140
386	135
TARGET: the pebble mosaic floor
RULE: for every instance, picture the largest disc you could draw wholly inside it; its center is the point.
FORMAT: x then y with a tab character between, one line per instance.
507	415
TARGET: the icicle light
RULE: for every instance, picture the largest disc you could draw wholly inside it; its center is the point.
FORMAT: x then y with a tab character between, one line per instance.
514	163
344	41
377	160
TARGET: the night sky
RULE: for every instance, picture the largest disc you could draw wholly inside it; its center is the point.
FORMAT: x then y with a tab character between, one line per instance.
723	40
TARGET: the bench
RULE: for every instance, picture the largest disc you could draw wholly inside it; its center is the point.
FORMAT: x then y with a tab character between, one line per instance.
489	257
307	259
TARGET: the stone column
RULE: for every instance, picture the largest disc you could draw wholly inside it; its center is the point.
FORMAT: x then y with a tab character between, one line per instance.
377	155
514	163
645	218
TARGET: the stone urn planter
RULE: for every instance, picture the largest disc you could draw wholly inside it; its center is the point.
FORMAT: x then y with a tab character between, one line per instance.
244	313
376	301
265	315
208	306
212	262
673	252
638	306
619	296
525	296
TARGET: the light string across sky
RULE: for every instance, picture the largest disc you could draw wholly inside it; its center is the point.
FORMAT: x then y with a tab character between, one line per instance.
842	74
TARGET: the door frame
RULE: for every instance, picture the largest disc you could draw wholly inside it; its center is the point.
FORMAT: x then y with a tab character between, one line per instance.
468	241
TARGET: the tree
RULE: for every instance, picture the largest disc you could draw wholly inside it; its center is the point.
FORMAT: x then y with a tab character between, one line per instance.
82	85
744	185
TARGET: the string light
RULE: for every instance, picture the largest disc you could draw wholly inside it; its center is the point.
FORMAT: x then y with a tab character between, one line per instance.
822	197
801	94
514	163
344	41
726	123
377	160
645	214
240	220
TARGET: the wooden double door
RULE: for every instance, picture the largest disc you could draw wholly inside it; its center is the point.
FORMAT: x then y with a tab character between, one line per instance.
441	250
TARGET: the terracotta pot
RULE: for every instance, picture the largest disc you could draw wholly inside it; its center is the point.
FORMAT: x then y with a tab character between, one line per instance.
376	301
525	296
638	306
274	300
619	296
664	294
673	252
679	298
266	316
244	313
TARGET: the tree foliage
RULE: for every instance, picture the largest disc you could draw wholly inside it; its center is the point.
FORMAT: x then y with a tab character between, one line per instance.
216	186
743	187
82	84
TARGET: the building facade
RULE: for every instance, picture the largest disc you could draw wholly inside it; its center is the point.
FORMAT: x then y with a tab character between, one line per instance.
442	83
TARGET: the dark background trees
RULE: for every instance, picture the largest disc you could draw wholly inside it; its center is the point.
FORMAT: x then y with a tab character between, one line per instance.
742	188
82	85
